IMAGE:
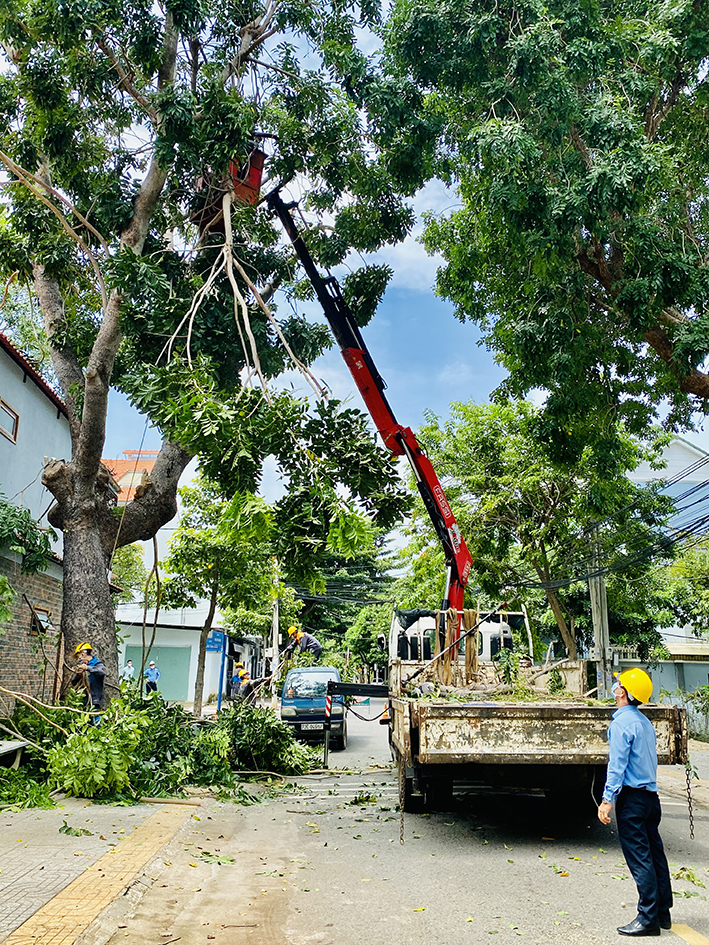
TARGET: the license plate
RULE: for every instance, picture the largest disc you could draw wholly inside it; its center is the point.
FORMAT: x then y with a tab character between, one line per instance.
312	727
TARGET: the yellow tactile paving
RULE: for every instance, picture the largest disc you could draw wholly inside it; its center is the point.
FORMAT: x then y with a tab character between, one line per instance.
689	934
65	917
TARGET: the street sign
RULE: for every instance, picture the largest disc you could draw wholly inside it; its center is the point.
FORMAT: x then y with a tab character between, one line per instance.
215	641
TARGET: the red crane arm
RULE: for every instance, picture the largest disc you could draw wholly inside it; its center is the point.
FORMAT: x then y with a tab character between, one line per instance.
398	439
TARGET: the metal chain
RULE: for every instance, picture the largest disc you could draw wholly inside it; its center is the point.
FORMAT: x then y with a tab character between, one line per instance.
402	793
687	771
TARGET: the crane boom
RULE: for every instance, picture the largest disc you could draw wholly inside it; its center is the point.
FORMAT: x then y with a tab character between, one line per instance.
400	440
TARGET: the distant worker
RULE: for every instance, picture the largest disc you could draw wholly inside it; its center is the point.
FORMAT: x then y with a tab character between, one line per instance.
128	672
236	679
249	689
92	667
631	784
152	674
305	642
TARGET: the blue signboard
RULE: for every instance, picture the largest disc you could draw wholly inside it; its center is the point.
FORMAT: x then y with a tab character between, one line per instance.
215	641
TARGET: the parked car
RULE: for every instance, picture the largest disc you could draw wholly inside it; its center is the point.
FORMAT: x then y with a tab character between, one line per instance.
303	704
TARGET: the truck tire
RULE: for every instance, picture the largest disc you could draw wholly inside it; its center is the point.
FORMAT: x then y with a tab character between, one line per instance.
409	801
439	794
340	743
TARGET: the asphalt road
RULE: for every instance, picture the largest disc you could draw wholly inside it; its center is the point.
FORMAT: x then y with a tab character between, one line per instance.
324	864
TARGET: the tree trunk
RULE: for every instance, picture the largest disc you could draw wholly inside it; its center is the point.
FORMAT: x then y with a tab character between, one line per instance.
87	608
199	680
566	634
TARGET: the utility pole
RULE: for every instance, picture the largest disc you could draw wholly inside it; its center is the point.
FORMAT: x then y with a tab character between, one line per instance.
599	616
275	633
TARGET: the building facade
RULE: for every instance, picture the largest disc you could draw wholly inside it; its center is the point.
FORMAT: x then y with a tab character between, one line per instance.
34	427
176	649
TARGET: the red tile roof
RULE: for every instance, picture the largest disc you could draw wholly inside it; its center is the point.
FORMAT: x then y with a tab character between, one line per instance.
32	373
135	464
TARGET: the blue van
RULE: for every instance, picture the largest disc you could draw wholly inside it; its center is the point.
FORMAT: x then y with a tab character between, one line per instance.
303	704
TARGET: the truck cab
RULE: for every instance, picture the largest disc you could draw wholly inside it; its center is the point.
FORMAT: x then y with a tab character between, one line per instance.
303	704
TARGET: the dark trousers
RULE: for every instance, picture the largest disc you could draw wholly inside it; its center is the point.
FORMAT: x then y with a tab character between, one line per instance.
638	815
151	687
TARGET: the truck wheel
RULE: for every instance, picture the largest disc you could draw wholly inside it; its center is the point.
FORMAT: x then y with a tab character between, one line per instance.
439	794
409	801
341	742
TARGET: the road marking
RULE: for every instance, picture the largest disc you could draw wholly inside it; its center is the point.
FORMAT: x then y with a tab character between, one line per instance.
689	934
71	912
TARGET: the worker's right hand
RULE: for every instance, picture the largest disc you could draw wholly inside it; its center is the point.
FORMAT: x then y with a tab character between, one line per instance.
604	812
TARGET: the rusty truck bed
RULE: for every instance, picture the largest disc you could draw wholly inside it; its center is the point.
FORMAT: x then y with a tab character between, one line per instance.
435	733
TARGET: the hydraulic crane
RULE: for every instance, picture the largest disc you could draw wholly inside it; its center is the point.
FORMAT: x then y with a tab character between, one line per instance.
400	440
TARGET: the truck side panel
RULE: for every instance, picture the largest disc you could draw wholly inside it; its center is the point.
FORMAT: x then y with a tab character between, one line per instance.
427	733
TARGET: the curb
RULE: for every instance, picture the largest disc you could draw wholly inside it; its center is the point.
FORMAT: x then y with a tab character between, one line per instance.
70	913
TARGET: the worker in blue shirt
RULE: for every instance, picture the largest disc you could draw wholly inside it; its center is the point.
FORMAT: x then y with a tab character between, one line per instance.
152	674
631	785
91	667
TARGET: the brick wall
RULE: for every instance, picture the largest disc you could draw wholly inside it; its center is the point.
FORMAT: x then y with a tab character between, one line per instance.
27	660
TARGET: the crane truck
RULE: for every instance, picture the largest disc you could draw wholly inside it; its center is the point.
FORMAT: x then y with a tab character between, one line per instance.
543	745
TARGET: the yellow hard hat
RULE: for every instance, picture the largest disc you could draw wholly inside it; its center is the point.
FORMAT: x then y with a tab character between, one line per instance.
292	630
82	646
636	683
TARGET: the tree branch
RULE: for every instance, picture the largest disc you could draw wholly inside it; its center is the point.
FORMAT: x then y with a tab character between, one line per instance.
103	353
64	360
126	81
157	504
696	382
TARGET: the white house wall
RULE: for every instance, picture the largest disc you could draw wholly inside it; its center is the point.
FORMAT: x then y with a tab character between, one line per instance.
42	431
131	635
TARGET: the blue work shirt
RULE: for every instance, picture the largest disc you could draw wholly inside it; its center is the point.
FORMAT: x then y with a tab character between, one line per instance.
632	761
97	675
152	674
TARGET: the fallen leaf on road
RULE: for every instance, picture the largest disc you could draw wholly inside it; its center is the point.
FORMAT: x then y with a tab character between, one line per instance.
73	831
193	864
420	909
548	838
469	919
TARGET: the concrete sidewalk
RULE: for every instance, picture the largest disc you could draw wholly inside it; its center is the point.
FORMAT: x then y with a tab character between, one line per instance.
53	885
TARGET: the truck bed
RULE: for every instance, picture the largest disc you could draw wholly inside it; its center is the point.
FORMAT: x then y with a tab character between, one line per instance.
452	733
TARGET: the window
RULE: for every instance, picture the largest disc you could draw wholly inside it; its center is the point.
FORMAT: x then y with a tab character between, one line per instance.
41	621
9	421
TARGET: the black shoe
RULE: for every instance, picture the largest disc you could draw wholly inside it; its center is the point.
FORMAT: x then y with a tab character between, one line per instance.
637	928
666	923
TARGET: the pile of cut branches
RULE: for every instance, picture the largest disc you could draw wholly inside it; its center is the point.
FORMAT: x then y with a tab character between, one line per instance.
146	747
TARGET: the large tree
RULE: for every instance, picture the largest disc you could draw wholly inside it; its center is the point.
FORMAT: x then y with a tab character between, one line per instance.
531	522
124	126
578	138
